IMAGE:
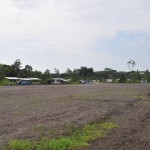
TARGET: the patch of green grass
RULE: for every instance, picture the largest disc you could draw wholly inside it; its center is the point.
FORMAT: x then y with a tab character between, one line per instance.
53	132
78	138
62	143
6	82
71	129
108	126
140	97
20	145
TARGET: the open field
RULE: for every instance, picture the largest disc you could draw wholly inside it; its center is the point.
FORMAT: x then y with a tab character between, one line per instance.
32	112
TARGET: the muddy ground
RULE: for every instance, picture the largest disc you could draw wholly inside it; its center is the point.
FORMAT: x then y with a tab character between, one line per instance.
29	112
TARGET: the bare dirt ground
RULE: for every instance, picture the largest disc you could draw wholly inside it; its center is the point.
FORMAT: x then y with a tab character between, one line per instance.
25	110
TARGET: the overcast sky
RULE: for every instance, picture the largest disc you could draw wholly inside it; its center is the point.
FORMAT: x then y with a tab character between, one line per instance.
48	34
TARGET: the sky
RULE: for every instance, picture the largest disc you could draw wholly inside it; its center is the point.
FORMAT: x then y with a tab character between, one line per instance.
48	34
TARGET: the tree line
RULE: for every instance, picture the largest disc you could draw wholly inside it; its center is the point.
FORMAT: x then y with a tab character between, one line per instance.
82	73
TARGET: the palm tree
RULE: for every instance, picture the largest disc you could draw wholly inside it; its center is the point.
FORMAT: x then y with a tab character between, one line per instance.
133	64
130	64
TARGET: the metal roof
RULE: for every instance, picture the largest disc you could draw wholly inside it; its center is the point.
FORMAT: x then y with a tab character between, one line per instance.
34	78
15	78
27	79
12	78
61	79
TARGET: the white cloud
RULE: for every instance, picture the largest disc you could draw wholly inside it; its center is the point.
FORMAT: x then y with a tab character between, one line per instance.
69	26
27	4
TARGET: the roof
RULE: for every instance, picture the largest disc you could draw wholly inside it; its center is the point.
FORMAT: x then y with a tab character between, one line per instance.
27	79
61	79
15	78
12	78
34	78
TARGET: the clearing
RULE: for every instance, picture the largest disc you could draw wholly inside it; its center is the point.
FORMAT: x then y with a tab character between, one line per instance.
32	112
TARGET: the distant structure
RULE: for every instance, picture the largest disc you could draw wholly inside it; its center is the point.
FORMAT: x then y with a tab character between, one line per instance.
89	81
109	80
95	81
143	81
59	81
23	81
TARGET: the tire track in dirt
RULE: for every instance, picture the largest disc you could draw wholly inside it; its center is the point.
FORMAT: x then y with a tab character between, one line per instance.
133	132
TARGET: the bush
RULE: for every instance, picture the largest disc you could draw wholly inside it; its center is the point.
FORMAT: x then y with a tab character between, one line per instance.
5	82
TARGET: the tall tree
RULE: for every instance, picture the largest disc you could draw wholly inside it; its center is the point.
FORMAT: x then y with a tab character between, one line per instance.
46	77
56	72
122	78
16	66
28	70
131	64
68	71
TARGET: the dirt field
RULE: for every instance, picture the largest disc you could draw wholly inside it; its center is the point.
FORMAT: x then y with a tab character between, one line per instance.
26	112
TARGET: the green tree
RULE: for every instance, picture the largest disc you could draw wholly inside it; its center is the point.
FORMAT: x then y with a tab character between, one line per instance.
68	71
16	66
147	75
56	72
46	77
28	70
122	78
37	74
131	64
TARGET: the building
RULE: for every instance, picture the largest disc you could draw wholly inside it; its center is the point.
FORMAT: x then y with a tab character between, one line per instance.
89	81
109	80
23	81
143	81
85	82
95	81
59	81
